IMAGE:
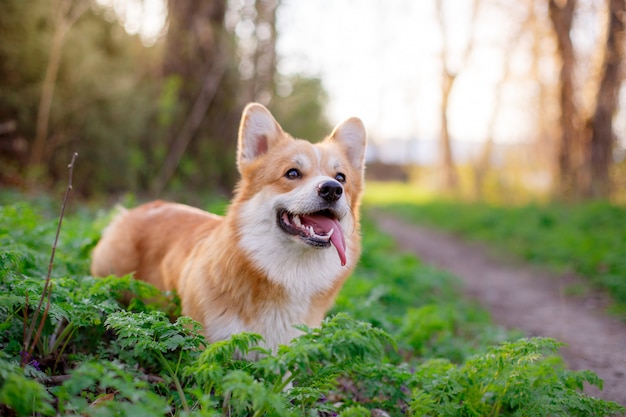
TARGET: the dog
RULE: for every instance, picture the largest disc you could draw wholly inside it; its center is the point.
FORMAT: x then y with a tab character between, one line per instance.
278	258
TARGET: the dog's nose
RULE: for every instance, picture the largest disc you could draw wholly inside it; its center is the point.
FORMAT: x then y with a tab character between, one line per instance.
330	190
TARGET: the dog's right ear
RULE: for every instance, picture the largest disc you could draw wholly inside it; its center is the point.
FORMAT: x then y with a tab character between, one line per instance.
258	132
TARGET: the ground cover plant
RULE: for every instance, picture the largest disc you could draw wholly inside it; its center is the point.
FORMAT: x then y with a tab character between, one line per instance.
399	340
586	238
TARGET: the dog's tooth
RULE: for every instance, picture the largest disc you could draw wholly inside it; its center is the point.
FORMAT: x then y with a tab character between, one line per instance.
330	233
311	231
296	220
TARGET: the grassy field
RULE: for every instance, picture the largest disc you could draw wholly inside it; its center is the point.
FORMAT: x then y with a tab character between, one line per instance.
589	238
399	339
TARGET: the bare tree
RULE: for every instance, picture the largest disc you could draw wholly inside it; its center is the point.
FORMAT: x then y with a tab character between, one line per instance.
482	164
449	76
262	84
561	14
193	34
196	53
546	115
67	13
192	122
586	144
600	125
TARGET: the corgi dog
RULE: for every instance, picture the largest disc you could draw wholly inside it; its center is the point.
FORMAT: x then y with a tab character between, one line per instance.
279	256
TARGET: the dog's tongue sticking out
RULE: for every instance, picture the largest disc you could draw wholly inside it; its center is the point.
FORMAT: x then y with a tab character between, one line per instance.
323	225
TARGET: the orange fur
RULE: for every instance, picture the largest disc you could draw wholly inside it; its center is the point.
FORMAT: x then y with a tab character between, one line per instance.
223	282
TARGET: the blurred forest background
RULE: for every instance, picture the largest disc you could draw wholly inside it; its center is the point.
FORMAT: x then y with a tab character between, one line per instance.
161	114
142	116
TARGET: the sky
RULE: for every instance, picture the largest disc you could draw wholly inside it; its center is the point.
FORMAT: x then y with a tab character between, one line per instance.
380	60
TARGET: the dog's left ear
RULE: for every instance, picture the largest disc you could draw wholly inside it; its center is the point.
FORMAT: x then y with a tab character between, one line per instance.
258	131
351	136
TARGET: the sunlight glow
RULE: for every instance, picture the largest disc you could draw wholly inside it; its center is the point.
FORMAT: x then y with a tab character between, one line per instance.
381	60
146	18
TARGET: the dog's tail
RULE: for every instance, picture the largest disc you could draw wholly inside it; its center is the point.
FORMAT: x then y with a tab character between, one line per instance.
115	253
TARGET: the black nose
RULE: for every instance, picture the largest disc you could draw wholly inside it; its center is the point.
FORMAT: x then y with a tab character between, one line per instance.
330	190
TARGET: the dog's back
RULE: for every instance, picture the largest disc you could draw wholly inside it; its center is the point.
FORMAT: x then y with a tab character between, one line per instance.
152	241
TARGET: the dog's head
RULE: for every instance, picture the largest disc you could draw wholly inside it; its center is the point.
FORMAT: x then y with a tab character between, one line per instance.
301	195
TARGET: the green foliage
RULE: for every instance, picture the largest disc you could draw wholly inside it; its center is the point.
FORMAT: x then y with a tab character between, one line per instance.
298	375
21	393
107	389
154	332
400	340
586	238
510	379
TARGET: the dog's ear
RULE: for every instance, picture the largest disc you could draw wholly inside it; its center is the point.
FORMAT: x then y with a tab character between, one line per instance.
258	131
351	136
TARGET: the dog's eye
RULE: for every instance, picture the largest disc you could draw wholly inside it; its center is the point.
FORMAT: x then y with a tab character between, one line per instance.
340	177
293	174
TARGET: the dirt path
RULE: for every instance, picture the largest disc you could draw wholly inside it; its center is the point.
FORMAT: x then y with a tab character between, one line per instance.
522	297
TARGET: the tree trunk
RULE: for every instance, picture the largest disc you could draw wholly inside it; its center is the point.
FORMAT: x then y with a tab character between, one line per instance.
561	15
601	124
450	179
198	52
67	14
483	162
262	83
193	33
191	125
547	126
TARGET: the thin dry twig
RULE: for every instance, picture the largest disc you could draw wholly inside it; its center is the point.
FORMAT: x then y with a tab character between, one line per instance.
46	293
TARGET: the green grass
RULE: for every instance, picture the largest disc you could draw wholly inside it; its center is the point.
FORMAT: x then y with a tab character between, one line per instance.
586	238
399	339
379	193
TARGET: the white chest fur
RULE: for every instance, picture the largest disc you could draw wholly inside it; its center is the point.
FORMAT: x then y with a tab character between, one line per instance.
276	325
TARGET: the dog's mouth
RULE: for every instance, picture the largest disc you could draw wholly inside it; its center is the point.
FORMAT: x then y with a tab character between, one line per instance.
319	229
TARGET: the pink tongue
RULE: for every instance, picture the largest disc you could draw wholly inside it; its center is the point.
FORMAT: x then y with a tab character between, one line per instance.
323	225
